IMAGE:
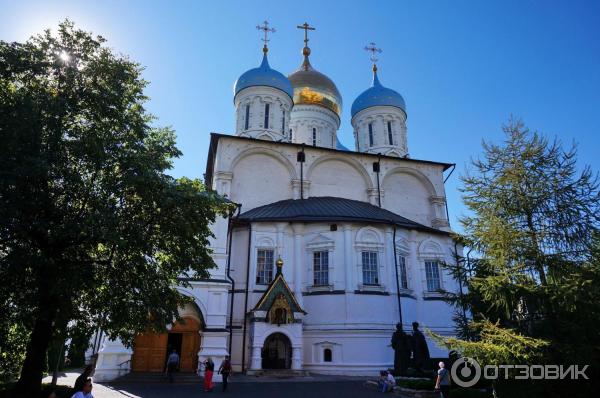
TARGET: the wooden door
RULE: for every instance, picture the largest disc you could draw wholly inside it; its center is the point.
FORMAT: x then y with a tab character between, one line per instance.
149	352
190	344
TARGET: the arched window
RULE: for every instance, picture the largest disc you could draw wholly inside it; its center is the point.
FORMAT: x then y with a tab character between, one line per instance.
266	116
314	137
432	275
264	266
247	121
390	137
370	265
370	134
283	122
327	355
402	272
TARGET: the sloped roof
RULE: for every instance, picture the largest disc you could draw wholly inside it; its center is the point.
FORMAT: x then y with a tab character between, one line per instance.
276	287
329	208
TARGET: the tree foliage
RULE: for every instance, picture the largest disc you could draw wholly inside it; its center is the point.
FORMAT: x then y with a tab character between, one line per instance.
93	231
533	225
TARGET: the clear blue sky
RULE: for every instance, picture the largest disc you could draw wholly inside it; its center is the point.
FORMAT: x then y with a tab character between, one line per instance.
463	67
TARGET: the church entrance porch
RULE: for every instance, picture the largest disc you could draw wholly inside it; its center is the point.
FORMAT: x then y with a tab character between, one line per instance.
150	350
277	352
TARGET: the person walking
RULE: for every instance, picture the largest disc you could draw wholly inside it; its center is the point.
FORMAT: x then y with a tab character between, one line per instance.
172	364
209	368
225	371
442	382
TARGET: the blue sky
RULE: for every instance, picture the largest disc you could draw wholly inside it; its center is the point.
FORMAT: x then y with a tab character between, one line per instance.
463	67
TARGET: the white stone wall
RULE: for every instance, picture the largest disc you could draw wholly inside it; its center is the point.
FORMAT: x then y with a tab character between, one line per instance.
325	123
378	117
346	316
280	106
255	175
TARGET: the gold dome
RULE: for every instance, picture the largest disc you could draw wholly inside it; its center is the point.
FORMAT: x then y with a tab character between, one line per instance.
314	88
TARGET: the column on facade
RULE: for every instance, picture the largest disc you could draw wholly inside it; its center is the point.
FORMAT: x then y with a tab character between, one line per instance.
389	258
298	230
296	357
256	359
348	259
416	271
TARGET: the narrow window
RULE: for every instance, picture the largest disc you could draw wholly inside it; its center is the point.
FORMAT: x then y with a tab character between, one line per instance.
291	135
390	138
266	116
432	274
402	272
369	268
370	134
327	355
247	122
283	122
314	137
264	266
321	268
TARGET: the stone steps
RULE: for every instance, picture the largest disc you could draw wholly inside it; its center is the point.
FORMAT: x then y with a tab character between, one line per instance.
279	373
156	377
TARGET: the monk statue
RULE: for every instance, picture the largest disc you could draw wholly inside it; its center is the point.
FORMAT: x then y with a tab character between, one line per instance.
401	346
419	348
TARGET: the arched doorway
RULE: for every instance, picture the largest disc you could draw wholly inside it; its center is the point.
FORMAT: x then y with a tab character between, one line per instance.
277	352
150	350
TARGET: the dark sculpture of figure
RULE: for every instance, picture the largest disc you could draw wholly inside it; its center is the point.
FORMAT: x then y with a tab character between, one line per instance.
419	348
401	346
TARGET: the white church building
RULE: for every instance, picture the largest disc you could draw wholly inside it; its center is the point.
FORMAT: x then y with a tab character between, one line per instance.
329	247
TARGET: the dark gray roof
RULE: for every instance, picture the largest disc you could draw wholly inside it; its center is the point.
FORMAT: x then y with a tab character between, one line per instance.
328	208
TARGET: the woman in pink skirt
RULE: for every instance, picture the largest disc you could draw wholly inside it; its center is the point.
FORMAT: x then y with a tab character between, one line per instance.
209	368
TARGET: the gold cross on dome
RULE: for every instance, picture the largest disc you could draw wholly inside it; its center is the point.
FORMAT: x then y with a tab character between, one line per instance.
306	28
372	48
265	28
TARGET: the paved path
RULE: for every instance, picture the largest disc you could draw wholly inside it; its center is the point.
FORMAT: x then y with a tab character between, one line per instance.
326	389
240	386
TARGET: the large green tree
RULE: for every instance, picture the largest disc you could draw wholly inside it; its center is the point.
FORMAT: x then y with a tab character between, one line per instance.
533	225
93	231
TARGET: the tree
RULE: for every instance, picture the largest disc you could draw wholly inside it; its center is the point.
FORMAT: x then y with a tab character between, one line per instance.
495	346
93	231
533	223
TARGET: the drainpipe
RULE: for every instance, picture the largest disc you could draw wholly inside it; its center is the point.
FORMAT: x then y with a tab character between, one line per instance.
246	299
376	169
397	279
230	237
446	202
301	157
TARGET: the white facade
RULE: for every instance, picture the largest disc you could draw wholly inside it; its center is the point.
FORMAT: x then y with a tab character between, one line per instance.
263	112
348	275
381	129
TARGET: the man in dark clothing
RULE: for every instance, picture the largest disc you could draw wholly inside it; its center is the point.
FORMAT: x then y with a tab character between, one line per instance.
225	371
401	346
419	347
172	364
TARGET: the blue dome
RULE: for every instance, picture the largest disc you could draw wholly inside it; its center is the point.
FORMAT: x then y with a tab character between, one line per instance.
339	146
377	95
263	76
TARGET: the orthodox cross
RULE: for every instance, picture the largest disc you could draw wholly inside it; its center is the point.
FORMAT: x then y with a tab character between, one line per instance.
306	28
374	51
265	28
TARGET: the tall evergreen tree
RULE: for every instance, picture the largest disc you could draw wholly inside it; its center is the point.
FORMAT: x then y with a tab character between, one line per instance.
533	222
93	231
